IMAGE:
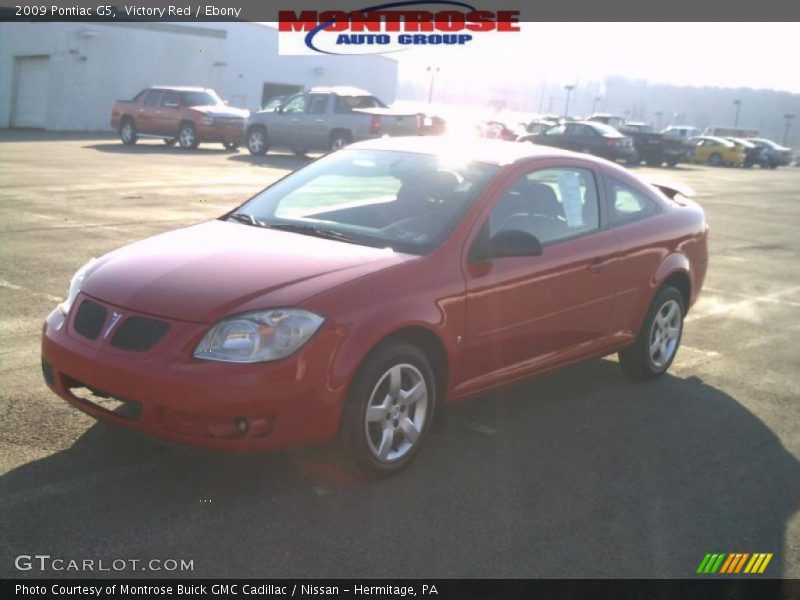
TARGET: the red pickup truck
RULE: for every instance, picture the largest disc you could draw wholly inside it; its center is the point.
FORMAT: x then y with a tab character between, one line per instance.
186	115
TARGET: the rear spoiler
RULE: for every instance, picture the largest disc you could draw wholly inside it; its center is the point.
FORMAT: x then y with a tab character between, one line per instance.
670	188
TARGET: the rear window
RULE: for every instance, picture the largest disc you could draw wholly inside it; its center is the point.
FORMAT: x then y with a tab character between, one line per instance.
345	104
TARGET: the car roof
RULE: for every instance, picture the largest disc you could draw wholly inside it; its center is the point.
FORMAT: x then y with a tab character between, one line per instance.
483	150
340	90
181	88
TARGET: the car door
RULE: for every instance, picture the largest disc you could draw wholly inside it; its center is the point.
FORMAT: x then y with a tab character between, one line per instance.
169	114
316	122
286	126
527	311
147	115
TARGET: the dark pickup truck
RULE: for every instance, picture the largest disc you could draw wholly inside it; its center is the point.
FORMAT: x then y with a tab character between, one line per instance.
654	148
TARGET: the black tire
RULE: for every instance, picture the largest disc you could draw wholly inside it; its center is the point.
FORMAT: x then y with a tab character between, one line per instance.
653	162
232	146
257	141
187	136
339	139
299	152
636	360
673	162
357	437
170	141
634	160
127	131
715	159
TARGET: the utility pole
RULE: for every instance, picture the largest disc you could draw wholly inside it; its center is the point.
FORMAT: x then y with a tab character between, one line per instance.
788	119
594	103
738	104
432	71
569	89
658	119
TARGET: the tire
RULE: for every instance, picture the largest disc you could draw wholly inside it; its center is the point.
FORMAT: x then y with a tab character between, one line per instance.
715	159
127	132
673	162
257	141
653	162
170	141
378	418
634	160
232	146
339	139
299	152
187	136
664	324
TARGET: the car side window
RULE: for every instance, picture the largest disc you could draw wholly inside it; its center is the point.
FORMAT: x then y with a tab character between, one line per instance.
317	104
169	98
628	204
296	104
557	130
550	204
152	98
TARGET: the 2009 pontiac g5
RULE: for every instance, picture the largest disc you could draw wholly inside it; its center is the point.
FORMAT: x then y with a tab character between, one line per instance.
357	296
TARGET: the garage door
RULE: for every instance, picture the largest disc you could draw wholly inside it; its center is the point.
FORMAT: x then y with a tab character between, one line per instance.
30	93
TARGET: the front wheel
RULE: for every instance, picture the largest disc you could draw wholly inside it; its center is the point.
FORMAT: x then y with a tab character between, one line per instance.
257	142
657	343
232	146
187	137
339	140
715	159
170	141
389	409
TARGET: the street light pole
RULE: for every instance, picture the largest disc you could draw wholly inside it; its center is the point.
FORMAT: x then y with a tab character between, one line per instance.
786	128
594	103
432	71
569	89
738	104
658	119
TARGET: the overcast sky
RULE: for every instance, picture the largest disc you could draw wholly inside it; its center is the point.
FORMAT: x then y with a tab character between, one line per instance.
756	55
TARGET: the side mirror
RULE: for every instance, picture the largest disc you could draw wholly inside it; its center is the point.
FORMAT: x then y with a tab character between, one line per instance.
509	242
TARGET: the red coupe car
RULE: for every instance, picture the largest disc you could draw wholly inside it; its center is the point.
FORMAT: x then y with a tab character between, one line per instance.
357	296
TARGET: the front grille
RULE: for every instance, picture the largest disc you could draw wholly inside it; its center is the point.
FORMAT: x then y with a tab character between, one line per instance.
229	122
47	372
90	318
139	334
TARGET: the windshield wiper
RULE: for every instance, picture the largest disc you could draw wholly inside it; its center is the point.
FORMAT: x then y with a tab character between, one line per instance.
248	219
320	232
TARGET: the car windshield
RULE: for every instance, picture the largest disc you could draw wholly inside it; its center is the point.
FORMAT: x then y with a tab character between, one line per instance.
406	201
199	99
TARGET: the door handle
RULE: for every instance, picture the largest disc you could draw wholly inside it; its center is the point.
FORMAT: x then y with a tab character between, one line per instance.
295	120
320	120
597	263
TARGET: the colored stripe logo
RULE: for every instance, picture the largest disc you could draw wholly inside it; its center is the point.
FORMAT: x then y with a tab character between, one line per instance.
733	563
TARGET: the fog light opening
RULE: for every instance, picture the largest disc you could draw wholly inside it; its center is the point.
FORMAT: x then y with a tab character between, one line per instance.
242	425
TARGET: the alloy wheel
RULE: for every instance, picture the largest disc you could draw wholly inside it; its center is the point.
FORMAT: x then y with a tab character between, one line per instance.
665	333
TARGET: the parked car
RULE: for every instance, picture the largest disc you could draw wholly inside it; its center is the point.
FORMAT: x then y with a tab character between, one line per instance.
495	130
775	154
539	126
654	148
753	154
186	115
361	294
716	151
588	137
326	119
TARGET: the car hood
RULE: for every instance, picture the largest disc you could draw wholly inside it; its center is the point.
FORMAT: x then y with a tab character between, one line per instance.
220	110
206	271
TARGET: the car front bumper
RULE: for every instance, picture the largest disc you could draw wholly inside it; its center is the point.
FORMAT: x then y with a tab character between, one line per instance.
169	394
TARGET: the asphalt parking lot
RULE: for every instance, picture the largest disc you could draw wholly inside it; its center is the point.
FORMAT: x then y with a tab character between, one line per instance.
576	474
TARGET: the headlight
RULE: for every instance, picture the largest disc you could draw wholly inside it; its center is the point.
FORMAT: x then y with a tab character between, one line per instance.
258	336
75	287
207	120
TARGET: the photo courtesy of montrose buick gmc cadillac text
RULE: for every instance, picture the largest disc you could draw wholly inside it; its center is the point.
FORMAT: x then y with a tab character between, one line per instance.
355	298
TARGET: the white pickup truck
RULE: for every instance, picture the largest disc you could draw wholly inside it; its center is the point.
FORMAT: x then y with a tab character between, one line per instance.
325	119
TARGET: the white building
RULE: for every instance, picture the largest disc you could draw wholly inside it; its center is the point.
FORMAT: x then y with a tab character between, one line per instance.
65	76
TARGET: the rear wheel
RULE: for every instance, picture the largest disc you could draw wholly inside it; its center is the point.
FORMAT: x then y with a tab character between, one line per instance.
715	159
339	139
170	141
231	145
127	132
389	409
657	343
673	162
187	137
299	152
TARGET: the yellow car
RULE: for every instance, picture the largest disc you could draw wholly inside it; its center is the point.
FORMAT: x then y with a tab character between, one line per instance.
716	151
